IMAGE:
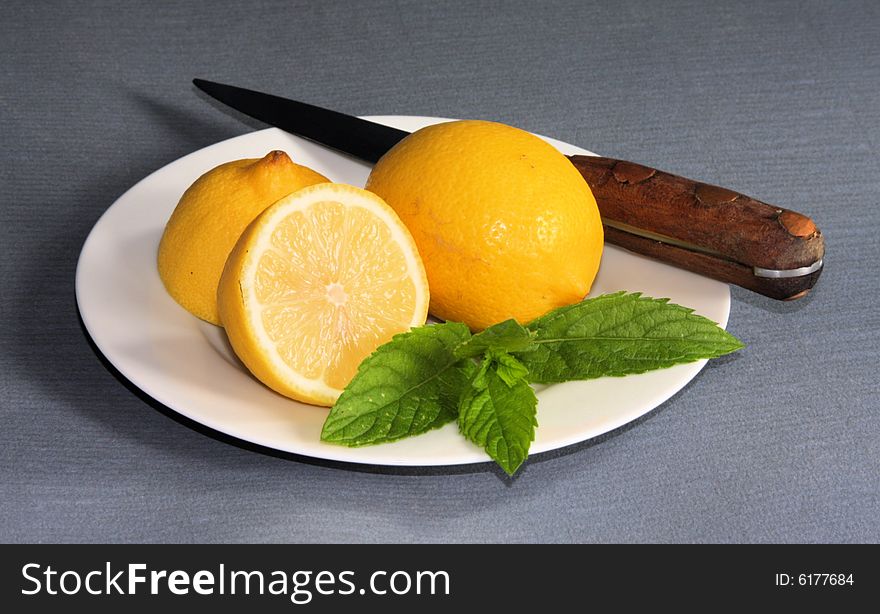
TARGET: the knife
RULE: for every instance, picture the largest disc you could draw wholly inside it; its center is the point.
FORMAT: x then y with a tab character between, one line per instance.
700	227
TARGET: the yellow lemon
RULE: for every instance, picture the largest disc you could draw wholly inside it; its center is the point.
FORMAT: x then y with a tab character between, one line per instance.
209	218
506	226
316	283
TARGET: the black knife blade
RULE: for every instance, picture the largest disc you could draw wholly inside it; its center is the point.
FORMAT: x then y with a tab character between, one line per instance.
350	135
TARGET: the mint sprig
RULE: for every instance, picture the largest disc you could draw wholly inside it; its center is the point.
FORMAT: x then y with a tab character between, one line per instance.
497	411
435	374
507	336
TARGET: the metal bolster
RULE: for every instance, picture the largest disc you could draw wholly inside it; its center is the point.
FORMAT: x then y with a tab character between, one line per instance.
786	273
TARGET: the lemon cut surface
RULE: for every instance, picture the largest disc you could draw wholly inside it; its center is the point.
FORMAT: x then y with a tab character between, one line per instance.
315	284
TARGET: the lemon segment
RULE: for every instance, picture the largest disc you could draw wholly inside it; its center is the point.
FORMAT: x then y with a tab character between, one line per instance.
209	218
316	283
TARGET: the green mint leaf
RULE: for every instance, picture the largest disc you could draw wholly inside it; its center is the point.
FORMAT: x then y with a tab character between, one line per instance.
408	386
509	369
619	334
508	336
497	411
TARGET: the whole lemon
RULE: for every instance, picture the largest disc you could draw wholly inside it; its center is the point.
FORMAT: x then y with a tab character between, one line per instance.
505	225
209	218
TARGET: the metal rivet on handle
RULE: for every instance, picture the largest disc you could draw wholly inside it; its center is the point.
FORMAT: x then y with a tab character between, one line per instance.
712	195
796	224
629	172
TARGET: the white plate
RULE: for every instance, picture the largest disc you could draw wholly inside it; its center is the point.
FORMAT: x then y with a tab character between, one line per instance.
188	366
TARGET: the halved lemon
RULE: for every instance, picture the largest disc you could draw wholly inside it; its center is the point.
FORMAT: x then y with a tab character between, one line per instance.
317	282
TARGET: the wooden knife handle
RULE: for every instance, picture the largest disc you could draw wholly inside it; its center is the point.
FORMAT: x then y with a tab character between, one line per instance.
704	228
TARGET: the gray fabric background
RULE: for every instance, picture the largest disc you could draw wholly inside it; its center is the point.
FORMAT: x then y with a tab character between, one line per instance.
776	99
